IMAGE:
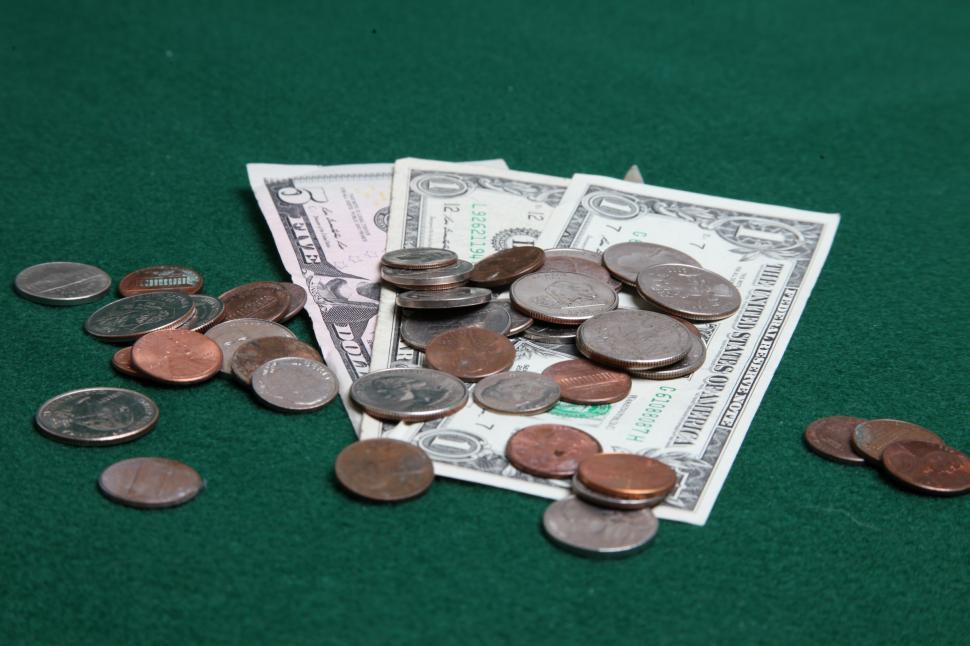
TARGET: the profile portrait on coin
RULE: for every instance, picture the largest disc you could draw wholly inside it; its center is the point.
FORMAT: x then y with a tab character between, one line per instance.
95	413
409	389
564	293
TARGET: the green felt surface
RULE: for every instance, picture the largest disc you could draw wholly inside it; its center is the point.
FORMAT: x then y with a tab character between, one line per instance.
125	130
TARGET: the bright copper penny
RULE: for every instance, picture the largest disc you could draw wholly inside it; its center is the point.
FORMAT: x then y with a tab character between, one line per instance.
831	437
584	382
869	439
929	468
384	470
122	363
261	300
150	483
252	354
503	267
550	450
177	356
626	475
161	278
470	353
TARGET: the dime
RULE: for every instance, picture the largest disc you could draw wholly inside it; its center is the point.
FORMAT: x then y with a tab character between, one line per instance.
578	265
128	318
384	470
423	279
626	475
517	393
550	450
830	437
690	292
122	362
178	357
232	334
253	353
419	258
869	439
586	494
550	333
409	394
503	267
417	331
297	300
62	283
627	259
633	339
693	360
261	300
595	531
470	353
208	311
561	297
294	384
584	382
457	297
161	278
97	416
150	483
928	467
519	321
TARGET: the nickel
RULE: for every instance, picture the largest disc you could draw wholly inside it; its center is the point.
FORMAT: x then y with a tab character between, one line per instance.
419	258
627	259
62	283
232	334
691	292
633	339
294	384
128	318
594	531
517	393
409	394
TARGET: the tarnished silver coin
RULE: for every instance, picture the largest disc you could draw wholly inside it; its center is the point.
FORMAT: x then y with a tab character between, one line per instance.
596	531
562	297
627	259
691	292
418	330
519	321
409	394
427	278
134	316
294	384
419	258
586	494
232	334
62	283
297	300
550	333
97	416
208	312
517	393
444	299
693	360
583	254
633	339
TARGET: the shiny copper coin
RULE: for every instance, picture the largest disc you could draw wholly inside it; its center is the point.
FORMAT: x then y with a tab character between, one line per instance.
262	300
122	363
869	439
929	468
252	354
470	353
626	475
150	483
831	437
297	300
384	470
503	267
177	356
550	450
161	278
584	382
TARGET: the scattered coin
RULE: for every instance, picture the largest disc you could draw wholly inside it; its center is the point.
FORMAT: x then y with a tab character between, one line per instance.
503	267
550	333
633	339
161	278
150	483
122	362
419	258
384	470
562	298
870	438
62	283
578	265
627	259
444	299
260	300
425	279
519	322
584	382
691	362
232	334
691	292
128	318
626	475
517	393
830	437
294	384
177	357
97	416
418	330
550	450
297	301
586	494
208	311
928	467
253	353
409	394
470	353
594	531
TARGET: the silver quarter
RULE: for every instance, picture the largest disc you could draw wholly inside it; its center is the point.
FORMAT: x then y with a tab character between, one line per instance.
232	334
444	299
297	300
627	259
562	297
409	394
550	333
418	330
693	360
208	312
517	393
62	283
519	321
586	255
633	339
419	258
586	494
427	278
594	531
134	316
294	384
690	292
97	416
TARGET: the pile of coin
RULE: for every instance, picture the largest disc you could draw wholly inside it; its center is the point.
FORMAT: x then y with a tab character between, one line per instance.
909	454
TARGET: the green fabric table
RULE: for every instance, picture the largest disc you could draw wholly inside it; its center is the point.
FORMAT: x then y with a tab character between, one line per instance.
126	128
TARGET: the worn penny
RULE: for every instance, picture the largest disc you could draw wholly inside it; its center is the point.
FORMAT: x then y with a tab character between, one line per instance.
150	483
626	475
503	267
384	470
584	382
253	353
870	438
178	357
928	467
627	259
297	301
550	450
121	361
470	353
260	300
831	438
161	278
690	292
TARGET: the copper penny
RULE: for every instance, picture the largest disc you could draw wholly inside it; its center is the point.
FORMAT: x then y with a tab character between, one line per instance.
626	475
550	450
177	356
869	439
297	300
929	468
161	278
470	353
252	354
584	382
503	267
262	300
150	483
384	470
122	363
831	437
